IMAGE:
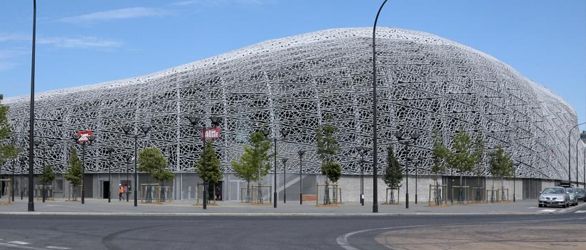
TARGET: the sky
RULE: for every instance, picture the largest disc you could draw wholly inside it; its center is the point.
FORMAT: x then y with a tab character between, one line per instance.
93	41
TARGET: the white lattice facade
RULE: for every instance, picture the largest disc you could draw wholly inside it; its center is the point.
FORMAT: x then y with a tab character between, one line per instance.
426	84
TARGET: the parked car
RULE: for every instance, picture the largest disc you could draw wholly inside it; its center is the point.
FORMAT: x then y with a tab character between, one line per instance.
554	196
572	193
581	194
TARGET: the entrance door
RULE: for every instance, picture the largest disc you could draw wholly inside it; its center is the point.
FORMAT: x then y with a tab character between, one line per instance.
105	189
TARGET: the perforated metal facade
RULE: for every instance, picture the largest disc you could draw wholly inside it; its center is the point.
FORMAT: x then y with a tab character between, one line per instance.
426	84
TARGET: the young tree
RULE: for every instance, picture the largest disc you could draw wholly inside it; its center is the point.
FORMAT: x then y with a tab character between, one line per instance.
327	148
74	173
501	166
47	178
7	151
393	173
208	166
465	154
254	162
152	161
440	154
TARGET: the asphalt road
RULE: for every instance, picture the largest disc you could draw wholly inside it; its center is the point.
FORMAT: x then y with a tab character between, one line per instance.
284	232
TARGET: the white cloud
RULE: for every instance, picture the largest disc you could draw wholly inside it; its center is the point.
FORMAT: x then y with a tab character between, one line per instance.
109	15
220	2
79	42
14	37
9	58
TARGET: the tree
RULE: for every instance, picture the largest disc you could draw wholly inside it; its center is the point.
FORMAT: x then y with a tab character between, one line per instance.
74	173
254	162
7	151
327	148
465	154
152	161
208	166
393	172
501	166
47	178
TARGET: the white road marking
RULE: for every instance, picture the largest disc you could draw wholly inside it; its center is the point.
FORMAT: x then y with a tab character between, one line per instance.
580	211
19	246
18	242
55	247
547	210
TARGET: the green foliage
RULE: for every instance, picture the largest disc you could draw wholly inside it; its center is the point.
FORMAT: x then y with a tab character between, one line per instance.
501	164
7	151
254	162
440	154
153	162
465	153
48	175
327	148
208	166
74	173
393	172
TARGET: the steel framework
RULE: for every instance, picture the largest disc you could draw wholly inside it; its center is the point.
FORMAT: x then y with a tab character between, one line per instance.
426	84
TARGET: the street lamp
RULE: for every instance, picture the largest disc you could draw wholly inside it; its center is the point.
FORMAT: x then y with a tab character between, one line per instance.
128	162
300	153
31	149
195	122
407	141
78	139
570	153
128	131
374	116
109	151
284	134
362	151
284	160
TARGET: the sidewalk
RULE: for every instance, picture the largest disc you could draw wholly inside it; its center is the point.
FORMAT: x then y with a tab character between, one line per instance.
291	208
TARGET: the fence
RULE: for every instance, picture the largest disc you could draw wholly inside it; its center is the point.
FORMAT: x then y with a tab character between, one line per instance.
438	195
199	189
154	192
48	192
390	198
332	194
5	191
257	194
498	194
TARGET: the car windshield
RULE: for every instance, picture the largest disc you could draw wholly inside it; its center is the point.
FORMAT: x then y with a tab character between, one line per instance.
553	191
569	190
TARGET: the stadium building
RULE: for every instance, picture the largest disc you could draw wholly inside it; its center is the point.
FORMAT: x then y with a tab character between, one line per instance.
426	85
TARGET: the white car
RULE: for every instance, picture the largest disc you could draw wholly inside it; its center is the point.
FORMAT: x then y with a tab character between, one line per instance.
554	196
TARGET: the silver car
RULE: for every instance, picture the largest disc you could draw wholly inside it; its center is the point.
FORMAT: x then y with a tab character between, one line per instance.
554	196
573	197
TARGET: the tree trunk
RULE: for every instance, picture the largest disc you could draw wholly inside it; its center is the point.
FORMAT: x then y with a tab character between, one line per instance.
327	193
248	190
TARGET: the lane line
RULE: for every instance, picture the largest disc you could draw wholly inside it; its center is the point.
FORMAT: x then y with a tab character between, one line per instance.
18	242
19	246
56	247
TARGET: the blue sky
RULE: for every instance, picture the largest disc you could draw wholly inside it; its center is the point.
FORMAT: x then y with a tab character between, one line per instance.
92	41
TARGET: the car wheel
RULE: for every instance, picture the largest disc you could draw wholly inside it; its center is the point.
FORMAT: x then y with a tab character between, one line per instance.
539	205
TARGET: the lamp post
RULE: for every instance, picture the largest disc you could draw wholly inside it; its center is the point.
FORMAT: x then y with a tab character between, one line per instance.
31	149
570	152
284	134
195	122
49	145
128	161
407	141
515	165
84	141
109	151
284	161
362	151
300	153
374	115
128	132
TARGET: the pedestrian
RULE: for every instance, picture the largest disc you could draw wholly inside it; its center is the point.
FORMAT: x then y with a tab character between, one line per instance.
120	192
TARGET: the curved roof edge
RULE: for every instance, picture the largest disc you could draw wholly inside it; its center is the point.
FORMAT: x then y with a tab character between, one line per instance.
284	43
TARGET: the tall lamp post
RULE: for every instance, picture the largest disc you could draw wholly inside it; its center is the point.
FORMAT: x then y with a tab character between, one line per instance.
195	122
31	149
300	153
374	115
128	162
128	131
570	152
284	161
362	151
407	141
84	137
284	134
109	151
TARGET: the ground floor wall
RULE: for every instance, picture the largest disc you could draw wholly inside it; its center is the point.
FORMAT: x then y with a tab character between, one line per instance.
188	186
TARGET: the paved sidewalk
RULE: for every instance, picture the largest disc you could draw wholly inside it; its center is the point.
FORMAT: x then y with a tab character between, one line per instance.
184	207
